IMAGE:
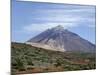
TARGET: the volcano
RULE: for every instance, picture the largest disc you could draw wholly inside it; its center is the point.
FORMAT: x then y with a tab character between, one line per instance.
60	39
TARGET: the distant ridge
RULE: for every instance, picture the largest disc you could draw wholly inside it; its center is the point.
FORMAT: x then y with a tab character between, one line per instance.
60	39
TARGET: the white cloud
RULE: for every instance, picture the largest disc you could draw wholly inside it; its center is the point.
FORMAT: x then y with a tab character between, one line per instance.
62	11
44	26
66	22
67	16
91	26
59	18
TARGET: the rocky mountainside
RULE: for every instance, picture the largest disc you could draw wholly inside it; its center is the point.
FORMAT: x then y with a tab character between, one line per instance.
60	39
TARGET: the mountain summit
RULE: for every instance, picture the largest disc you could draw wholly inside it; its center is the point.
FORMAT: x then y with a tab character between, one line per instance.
59	27
60	39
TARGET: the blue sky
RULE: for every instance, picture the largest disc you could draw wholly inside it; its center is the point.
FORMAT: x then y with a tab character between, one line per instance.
31	18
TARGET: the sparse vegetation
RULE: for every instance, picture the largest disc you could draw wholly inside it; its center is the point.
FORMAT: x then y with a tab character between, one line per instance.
28	59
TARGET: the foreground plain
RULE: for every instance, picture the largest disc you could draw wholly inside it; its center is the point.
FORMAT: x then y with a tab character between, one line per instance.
28	59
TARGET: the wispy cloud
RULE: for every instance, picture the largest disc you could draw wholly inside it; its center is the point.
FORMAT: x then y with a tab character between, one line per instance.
65	15
42	27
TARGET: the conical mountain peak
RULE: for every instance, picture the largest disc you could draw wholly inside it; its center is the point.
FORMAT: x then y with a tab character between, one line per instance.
60	39
59	27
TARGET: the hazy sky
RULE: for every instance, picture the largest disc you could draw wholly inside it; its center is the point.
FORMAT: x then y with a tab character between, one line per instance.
31	18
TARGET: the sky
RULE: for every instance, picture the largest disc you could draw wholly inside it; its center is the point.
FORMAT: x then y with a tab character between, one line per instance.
28	19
